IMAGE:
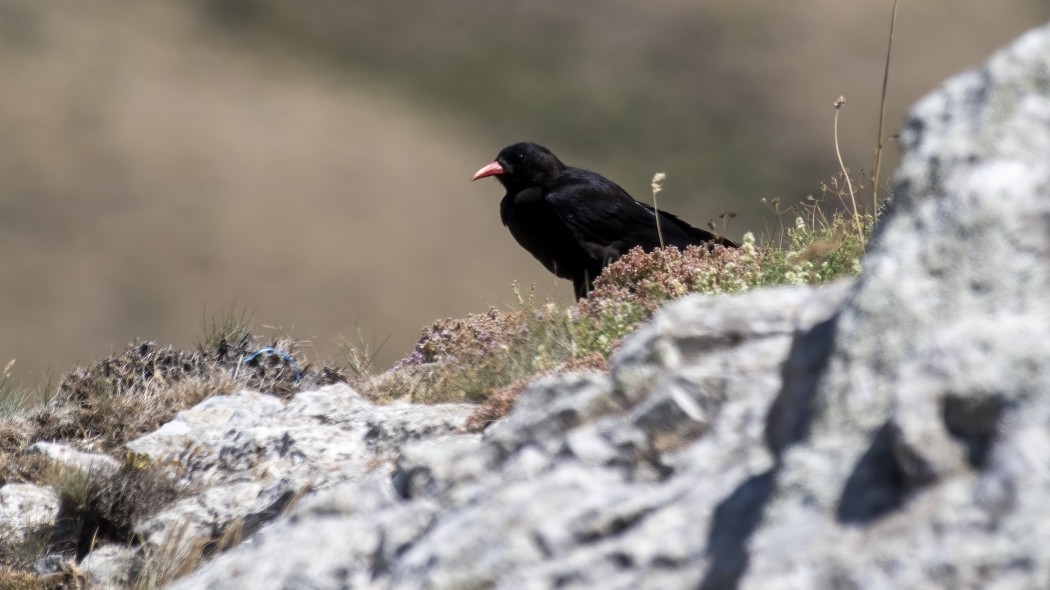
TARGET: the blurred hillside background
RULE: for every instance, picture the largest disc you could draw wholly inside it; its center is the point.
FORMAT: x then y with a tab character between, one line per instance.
160	162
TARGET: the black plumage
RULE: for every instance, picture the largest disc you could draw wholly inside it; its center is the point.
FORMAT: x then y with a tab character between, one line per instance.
575	221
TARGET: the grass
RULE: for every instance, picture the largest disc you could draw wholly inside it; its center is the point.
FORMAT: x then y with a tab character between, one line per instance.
178	556
232	326
465	359
12	398
882	111
359	359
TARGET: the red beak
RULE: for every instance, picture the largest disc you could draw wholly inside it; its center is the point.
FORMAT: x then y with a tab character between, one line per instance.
492	169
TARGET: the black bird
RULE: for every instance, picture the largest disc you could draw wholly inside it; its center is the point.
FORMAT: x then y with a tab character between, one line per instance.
575	221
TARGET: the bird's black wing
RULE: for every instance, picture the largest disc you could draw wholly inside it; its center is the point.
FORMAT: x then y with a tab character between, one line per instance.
607	221
599	213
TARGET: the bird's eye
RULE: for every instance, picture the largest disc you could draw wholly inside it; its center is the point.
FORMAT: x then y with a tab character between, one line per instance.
519	157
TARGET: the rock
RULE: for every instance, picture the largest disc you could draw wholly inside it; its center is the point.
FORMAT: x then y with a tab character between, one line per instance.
249	455
108	567
94	464
591	481
189	525
331	541
50	564
919	458
26	509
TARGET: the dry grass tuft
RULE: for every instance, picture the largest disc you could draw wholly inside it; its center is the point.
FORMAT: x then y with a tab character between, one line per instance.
16	579
129	394
100	413
134	494
95	509
501	402
15	435
470	359
178	556
99	508
68	578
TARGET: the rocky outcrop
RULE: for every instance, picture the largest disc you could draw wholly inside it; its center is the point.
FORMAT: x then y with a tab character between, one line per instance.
611	481
887	434
67	457
920	459
210	477
249	455
26	509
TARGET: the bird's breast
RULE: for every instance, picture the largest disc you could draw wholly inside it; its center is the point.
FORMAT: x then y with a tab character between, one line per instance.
537	227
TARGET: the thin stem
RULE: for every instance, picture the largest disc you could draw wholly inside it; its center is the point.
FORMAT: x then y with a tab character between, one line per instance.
845	173
658	179
882	113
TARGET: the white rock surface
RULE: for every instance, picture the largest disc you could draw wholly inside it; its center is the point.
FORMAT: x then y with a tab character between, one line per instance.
95	464
108	567
925	458
27	508
250	454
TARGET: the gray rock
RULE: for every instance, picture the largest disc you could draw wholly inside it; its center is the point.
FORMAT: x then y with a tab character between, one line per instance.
108	567
331	540
95	464
50	564
250	455
184	528
318	437
591	481
26	509
919	458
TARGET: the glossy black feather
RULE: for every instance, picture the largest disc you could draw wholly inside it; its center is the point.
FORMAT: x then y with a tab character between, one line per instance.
574	221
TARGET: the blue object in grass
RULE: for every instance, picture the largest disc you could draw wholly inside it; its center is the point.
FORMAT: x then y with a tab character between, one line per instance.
283	355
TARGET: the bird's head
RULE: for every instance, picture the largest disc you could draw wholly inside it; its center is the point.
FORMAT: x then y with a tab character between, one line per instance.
522	165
